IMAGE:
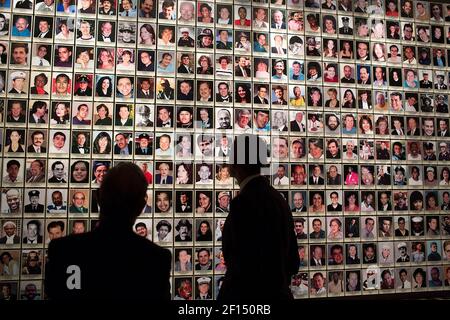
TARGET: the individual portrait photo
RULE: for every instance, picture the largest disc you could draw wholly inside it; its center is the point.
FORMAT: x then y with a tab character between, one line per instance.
166	36
81	142
163	202
127	8
40	86
184	201
127	32
21	26
124	115
205	12
43	28
107	32
5	23
18	83
35	171
224	39
123	144
57	201
64	29
163	173
79	202
125	87
163	233
20	54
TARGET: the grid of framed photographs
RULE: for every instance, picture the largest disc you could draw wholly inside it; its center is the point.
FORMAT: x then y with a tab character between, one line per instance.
352	97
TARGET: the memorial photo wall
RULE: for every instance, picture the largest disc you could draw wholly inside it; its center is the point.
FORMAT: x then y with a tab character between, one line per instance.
351	97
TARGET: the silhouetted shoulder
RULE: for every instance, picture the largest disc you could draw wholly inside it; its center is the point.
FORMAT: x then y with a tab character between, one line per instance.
111	266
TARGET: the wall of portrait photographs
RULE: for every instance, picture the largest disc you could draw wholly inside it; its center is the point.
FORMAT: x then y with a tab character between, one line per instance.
352	97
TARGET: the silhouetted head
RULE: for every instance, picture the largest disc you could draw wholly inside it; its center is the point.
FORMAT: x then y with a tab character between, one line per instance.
122	195
248	156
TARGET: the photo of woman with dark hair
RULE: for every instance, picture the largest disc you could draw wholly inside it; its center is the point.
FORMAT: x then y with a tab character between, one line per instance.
204	202
349	100
184	173
104	87
60	113
416	201
420	280
243	94
79	172
103	116
146	34
204	232
205	13
63	31
102	143
15	141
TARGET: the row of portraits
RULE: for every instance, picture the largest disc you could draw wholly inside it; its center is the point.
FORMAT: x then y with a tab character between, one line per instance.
34	232
82	85
184	10
84	114
303	284
29	263
87	31
37	201
165	62
185	146
240	14
36	171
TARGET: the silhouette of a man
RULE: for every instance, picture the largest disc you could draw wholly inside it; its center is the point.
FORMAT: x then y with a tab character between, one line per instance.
257	230
80	266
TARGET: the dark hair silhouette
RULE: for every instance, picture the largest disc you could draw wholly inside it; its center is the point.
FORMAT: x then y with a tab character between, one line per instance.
122	195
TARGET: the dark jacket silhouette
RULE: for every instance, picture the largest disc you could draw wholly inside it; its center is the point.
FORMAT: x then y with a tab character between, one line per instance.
259	247
144	271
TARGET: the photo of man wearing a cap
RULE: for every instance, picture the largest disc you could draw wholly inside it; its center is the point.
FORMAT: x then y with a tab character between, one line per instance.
345	29
203	289
144	146
185	40
184	228
205	38
143	116
34	206
126	33
223	201
403	255
83	89
18	82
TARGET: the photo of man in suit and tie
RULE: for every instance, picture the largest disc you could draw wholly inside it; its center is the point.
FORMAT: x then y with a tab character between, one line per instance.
164	173
184	201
